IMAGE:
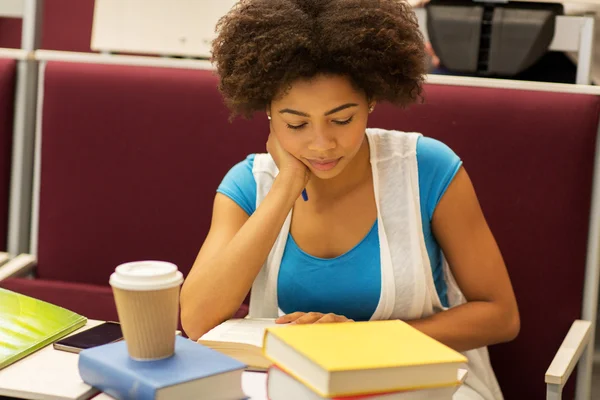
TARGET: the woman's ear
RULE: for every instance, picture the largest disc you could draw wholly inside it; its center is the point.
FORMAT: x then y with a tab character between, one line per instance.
371	105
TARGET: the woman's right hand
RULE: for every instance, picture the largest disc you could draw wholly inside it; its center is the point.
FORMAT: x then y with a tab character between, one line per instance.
288	165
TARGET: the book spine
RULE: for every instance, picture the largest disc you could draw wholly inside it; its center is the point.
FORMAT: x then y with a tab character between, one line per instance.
118	382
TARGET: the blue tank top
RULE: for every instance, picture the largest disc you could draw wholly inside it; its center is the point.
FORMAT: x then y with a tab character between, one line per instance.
350	284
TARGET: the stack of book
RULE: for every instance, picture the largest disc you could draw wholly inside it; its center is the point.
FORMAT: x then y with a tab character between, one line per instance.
362	360
193	372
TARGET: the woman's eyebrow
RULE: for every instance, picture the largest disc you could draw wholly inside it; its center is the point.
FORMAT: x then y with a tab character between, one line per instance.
340	108
290	111
303	114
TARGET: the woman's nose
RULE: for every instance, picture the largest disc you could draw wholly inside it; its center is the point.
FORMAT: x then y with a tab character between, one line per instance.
322	142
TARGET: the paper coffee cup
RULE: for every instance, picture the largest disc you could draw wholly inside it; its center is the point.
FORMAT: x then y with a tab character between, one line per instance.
147	298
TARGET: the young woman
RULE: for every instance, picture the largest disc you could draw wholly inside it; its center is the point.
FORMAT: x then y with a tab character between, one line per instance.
338	222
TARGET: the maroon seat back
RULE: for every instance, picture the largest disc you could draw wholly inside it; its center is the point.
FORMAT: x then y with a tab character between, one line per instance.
66	25
7	99
530	156
131	159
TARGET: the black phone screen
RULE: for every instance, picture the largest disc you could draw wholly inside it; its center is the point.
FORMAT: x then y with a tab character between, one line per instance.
104	333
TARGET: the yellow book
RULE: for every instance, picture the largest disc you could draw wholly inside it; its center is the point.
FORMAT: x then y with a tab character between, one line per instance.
355	358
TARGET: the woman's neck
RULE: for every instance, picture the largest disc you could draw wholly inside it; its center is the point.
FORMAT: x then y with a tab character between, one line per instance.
354	175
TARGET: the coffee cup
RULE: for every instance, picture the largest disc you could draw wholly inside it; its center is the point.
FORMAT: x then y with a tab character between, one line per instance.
147	298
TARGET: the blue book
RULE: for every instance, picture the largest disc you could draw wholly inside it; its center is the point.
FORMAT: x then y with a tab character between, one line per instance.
193	372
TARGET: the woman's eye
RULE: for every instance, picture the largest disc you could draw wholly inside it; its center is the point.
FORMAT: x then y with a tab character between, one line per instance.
296	126
344	122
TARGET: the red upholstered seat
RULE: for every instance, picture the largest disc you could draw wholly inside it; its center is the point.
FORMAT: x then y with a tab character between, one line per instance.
131	158
7	98
82	298
94	301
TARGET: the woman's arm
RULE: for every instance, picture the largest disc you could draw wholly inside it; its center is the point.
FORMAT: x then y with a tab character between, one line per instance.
237	246
231	257
490	315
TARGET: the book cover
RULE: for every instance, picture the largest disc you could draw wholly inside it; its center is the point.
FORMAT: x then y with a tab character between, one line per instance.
28	324
110	369
365	345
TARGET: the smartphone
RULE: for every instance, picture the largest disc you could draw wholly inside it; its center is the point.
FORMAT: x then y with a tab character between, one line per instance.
107	332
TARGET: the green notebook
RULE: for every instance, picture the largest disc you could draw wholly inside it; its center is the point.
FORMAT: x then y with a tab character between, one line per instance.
28	324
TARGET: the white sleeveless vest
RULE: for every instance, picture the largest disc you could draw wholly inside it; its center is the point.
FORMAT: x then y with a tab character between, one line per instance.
407	287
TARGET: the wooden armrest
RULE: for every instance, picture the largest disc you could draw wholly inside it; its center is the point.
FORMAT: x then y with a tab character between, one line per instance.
4	257
21	265
569	353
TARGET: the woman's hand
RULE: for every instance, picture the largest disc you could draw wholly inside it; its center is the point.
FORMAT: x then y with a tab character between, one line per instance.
311	318
288	164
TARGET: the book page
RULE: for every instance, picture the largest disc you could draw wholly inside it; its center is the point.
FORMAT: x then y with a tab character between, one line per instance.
46	374
244	330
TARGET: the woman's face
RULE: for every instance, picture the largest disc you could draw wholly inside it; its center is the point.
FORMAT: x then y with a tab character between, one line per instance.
321	122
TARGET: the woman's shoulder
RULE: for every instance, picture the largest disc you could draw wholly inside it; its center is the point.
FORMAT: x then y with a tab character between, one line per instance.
432	150
437	164
249	160
241	170
239	184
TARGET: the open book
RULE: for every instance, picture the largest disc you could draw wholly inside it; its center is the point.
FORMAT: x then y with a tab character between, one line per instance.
241	339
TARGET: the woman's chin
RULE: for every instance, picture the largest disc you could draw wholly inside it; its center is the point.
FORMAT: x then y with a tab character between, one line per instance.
327	174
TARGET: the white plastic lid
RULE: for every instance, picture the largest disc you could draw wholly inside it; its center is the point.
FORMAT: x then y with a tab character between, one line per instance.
146	275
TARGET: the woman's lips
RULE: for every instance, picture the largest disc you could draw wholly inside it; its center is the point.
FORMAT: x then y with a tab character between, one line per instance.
324	165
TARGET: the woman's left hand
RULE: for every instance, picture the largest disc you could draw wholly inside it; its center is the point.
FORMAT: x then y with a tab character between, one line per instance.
311	318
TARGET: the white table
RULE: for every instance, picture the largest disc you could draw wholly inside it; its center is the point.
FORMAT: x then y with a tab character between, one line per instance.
53	374
50	374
